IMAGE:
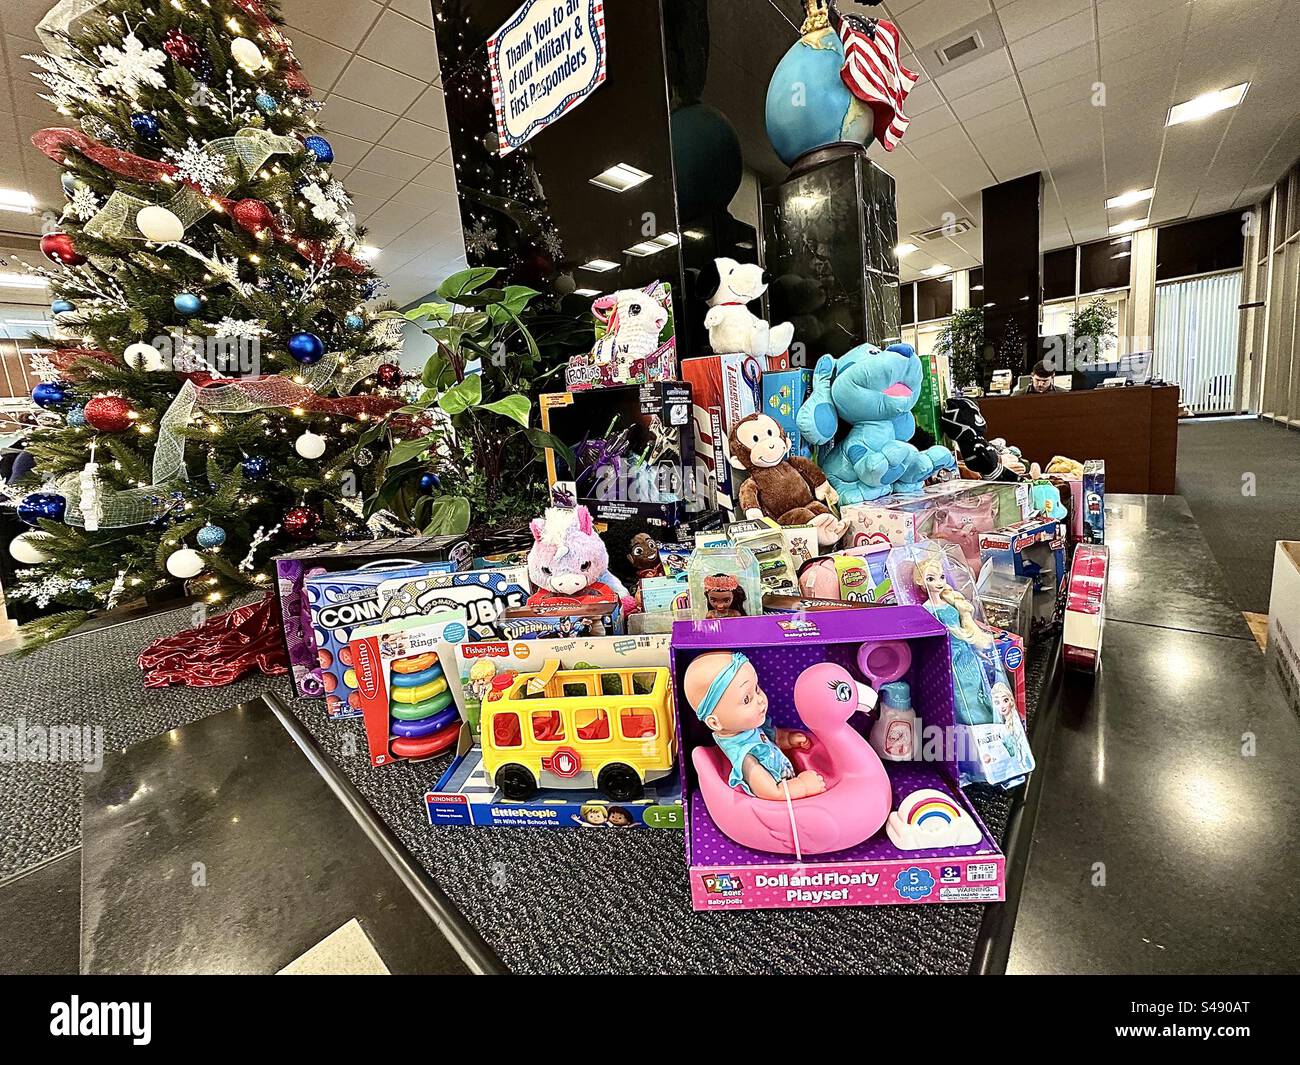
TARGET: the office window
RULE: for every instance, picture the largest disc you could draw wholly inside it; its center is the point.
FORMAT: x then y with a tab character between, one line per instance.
933	299
976	285
1058	274
907	297
1202	246
1104	264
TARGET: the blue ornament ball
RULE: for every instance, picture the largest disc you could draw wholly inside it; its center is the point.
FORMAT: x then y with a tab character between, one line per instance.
49	394
429	482
76	417
307	348
211	536
265	103
62	307
320	148
255	468
40	505
354	322
145	126
187	303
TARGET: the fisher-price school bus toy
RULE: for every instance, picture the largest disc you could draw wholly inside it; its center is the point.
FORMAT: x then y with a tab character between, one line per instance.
578	728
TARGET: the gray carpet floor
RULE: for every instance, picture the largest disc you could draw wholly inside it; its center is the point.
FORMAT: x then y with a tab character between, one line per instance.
1214	461
547	901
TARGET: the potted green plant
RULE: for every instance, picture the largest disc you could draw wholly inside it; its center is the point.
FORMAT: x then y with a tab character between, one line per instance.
1093	330
962	341
462	455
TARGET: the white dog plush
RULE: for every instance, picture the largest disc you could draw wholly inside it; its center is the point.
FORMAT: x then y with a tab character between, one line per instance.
634	320
728	286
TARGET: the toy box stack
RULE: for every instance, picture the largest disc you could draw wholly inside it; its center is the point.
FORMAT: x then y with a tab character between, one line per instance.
724	389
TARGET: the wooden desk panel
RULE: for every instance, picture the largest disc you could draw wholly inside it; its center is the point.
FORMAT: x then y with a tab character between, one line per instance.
1134	429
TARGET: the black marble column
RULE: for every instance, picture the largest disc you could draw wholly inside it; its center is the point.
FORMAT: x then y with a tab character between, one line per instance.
1013	268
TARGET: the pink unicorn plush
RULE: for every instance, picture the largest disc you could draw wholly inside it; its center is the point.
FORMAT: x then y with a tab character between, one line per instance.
568	562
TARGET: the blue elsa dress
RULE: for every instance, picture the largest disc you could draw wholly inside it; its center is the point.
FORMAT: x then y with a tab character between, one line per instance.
973	672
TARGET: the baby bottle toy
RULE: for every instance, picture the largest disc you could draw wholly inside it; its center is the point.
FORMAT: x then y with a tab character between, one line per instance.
894	735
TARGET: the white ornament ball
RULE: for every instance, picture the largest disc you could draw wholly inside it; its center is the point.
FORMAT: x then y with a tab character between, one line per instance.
310	445
185	563
27	547
159	224
246	53
142	356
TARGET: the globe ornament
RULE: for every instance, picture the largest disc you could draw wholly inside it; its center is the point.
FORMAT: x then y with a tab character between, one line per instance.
187	303
320	148
62	307
300	523
210	536
354	322
181	47
109	414
49	394
38	505
159	224
29	548
808	104
58	247
265	102
76	417
246	54
389	375
255	468
310	445
306	348
252	215
146	127
185	563
429	482
142	356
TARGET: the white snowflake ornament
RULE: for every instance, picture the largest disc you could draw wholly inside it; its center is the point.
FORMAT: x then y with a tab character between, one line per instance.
131	66
84	205
197	165
323	207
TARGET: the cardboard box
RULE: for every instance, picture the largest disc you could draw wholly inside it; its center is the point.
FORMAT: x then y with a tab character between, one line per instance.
784	393
1034	549
1094	501
1085	607
649	477
726	875
724	389
1282	660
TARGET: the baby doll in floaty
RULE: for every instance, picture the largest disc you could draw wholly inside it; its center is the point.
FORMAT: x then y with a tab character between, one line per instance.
722	688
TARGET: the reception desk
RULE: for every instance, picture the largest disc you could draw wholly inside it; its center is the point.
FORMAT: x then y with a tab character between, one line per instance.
1134	429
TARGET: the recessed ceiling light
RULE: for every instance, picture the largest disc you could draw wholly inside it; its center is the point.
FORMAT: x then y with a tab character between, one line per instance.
937	269
15	200
367	252
586	292
599	266
654	245
696	234
977	288
12	280
620	178
1128	199
1129	226
905	249
1208	104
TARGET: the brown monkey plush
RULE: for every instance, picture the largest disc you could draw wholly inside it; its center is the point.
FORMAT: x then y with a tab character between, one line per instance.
789	489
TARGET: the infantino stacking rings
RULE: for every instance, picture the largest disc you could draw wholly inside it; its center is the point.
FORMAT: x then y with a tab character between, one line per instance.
427	746
425	692
415	680
416	664
419	711
415	730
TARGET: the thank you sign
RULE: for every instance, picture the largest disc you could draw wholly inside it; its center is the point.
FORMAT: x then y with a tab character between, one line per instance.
546	60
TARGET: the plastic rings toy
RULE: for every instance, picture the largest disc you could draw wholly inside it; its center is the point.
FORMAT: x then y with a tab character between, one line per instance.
420	711
423	693
416	664
414	680
427	746
426	727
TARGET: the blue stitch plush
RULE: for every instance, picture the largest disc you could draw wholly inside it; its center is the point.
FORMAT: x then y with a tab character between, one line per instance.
861	406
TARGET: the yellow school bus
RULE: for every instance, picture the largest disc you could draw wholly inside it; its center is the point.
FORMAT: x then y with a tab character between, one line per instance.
609	729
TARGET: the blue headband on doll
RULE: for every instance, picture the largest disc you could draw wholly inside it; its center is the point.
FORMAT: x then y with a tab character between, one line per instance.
720	684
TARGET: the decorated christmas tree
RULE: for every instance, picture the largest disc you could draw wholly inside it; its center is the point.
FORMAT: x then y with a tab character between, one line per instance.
214	368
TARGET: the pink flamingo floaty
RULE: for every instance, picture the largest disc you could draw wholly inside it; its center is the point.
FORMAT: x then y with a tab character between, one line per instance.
855	801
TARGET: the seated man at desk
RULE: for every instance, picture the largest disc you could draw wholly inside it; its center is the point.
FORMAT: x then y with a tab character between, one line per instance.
1040	380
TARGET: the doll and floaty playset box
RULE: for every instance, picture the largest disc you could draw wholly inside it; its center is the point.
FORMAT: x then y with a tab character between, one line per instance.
845	827
572	733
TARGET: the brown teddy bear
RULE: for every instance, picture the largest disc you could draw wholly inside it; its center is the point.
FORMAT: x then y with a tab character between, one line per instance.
789	489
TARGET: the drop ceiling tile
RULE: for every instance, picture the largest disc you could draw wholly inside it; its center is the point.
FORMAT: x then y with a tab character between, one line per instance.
386	161
1078	62
417	139
431	108
378	86
341	115
397	42
1054	40
438	176
430	199
930	123
1116	15
1076	90
923	97
1013	114
321	61
987	70
1163	34
930	21
348	150
342	22
420	10
377	186
1025	17
996	95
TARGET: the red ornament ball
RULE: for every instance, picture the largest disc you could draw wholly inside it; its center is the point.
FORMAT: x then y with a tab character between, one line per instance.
182	48
58	247
389	375
109	414
252	215
300	522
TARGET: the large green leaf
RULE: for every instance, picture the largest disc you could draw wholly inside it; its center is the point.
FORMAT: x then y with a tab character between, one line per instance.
434	367
539	438
515	407
466	281
448	516
457	400
438	311
409	449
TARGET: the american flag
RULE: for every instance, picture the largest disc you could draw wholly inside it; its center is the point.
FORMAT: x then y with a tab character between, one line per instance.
875	76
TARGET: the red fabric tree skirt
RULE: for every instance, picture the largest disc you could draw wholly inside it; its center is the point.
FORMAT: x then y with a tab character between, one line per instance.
221	650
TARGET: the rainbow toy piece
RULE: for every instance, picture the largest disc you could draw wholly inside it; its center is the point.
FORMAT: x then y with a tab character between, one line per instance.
424	721
929	819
